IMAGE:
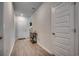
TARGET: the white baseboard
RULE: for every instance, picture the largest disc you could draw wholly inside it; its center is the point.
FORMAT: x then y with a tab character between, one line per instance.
45	48
12	48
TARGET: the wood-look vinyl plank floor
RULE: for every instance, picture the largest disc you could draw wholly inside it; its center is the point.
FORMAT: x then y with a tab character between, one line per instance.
26	48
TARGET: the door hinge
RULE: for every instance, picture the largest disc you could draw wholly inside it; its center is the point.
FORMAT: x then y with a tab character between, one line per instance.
75	30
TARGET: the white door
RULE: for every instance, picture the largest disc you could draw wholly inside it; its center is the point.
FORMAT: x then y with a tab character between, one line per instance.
22	31
63	29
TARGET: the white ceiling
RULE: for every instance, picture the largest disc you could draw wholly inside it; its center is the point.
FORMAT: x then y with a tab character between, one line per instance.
26	7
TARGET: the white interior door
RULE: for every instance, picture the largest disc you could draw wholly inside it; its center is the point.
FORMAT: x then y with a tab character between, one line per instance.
22	31
63	29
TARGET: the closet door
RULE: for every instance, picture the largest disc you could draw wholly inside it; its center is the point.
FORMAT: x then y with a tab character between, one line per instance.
63	29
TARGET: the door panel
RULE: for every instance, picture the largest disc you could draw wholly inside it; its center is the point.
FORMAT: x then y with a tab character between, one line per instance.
63	27
22	31
62	35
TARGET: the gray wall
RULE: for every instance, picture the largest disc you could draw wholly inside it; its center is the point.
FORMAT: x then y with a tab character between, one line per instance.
42	25
8	28
1	28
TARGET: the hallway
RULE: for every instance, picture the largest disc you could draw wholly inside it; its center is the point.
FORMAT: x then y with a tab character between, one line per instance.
54	25
26	48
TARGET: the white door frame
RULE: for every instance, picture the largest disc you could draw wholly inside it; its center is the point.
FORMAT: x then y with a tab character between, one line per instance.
76	25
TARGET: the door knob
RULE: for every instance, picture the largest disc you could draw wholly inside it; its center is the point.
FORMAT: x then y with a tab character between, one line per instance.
53	33
0	37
